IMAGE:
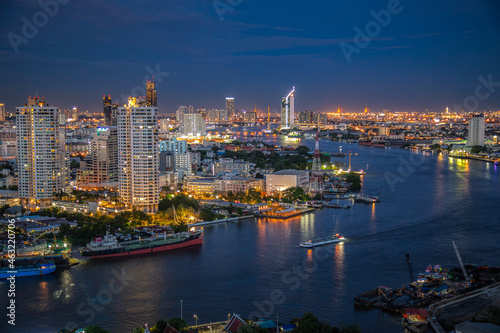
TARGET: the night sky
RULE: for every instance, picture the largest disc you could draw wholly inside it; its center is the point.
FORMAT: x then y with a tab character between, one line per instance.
428	56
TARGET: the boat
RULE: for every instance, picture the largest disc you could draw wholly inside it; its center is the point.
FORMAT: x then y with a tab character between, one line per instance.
38	268
378	143
365	142
294	135
323	241
415	320
109	247
368	199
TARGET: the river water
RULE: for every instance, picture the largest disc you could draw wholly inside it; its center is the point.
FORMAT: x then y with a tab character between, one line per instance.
255	267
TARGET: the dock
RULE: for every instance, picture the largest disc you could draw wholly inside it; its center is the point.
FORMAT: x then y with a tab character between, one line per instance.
230	220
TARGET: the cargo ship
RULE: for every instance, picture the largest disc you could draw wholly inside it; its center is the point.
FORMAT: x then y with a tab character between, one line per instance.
323	241
365	142
109	247
38	268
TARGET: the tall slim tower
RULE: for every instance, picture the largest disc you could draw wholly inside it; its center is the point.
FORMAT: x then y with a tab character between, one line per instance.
316	182
288	110
2	112
476	131
230	107
138	155
107	109
41	157
151	93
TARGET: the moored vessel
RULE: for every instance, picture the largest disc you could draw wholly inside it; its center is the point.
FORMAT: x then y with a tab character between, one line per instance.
38	268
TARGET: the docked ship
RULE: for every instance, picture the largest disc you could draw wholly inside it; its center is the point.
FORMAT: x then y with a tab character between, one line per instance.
38	268
323	241
378	143
109	247
364	142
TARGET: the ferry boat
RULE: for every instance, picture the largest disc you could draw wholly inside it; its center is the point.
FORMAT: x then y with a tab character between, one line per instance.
109	247
38	268
368	199
294	135
323	241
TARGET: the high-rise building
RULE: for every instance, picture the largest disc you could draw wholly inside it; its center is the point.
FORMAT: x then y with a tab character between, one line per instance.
138	155
180	113
193	125
41	159
101	163
2	112
288	110
320	118
230	107
74	113
107	109
305	117
174	145
191	109
476	131
250	117
151	93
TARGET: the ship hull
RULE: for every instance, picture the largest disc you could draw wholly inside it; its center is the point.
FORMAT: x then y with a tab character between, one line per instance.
161	248
35	271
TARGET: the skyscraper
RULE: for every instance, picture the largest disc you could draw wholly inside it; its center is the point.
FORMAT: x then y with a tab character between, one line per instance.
476	131
41	159
2	112
138	155
101	164
288	110
180	113
193	125
230	106
107	109
74	113
151	93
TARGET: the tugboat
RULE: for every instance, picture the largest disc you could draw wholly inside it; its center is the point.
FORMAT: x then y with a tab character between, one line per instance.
323	241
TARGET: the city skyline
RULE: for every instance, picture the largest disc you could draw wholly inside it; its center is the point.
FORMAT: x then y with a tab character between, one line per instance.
418	59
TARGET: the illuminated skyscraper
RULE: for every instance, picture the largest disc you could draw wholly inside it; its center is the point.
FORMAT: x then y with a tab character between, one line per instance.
151	93
230	106
476	131
193	125
107	109
74	114
288	110
138	155
41	158
2	112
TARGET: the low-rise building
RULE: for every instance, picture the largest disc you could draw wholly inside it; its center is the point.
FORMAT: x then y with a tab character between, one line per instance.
284	179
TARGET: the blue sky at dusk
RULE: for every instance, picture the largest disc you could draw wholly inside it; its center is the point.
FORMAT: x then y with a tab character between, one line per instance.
428	56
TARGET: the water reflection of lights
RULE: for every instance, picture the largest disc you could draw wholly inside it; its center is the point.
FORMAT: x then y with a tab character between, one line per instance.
339	268
373	219
307	223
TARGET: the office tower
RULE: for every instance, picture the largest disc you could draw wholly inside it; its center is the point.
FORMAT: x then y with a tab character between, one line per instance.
223	116
193	125
138	155
320	118
2	112
41	159
101	164
191	109
288	110
476	131
250	117
305	117
74	113
180	113
107	109
151	93
230	107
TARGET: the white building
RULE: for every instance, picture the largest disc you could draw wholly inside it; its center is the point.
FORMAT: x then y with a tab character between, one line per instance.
476	131
231	166
281	180
42	162
193	125
138	155
174	145
288	110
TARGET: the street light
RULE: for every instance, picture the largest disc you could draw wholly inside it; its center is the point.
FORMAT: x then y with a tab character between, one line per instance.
181	308
195	316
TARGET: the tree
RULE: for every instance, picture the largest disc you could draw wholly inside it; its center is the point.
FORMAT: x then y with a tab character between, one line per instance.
355	180
94	329
295	193
310	323
159	327
302	150
350	328
207	215
178	323
251	328
230	196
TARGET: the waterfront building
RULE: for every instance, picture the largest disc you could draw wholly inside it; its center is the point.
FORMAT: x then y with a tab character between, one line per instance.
2	112
230	107
199	185
138	155
101	164
288	110
281	180
193	125
42	162
231	166
476	131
